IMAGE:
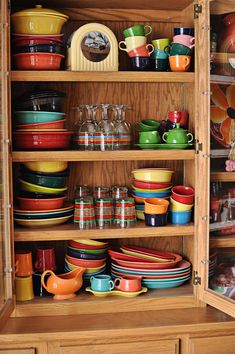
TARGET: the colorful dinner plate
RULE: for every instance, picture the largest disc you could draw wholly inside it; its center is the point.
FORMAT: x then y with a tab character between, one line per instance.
128	257
182	266
145	265
167	276
140	251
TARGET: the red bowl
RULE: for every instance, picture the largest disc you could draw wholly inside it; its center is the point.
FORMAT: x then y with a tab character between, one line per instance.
22	41
29	140
183	194
40	204
37	61
58	124
151	185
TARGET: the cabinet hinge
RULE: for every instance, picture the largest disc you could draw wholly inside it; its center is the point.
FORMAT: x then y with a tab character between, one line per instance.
199	146
196	278
197	10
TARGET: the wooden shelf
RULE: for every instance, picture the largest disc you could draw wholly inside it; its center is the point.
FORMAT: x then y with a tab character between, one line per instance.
86	303
223	176
71	231
221	58
130	155
222	241
219	153
112	76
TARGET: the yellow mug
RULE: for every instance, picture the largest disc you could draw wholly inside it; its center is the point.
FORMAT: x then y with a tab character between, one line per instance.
161	43
24	288
131	43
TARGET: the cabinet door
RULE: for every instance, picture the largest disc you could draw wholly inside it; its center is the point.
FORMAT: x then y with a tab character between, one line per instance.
216	160
218	345
6	302
153	347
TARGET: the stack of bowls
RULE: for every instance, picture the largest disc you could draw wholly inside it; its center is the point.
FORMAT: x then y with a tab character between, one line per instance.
181	204
40	121
135	44
42	195
89	254
155	211
37	44
150	183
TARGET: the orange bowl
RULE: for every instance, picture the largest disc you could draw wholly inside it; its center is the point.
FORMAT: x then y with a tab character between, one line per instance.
156	206
85	262
37	61
57	124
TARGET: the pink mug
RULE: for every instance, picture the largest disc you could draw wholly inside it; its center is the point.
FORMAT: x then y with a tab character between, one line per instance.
45	259
142	51
128	284
184	39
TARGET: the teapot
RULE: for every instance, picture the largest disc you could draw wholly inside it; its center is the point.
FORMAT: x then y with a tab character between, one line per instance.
63	286
177	136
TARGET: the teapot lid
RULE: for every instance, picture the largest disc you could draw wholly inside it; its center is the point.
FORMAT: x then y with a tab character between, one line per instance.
178	128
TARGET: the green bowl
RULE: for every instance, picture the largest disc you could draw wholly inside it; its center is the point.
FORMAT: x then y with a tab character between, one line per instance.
34	117
148	125
44	181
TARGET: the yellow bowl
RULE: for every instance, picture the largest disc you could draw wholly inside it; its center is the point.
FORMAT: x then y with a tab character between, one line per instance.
176	206
91	242
140	215
38	21
42	222
151	190
87	271
30	187
46	166
153	175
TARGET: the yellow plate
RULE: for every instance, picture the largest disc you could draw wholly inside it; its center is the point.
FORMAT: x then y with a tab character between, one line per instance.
91	242
46	166
26	186
43	222
145	256
116	292
88	270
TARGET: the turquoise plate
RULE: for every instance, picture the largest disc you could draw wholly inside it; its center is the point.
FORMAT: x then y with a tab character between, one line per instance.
164	146
148	273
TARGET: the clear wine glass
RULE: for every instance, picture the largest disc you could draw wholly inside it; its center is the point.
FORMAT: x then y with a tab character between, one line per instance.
79	112
87	131
122	130
105	131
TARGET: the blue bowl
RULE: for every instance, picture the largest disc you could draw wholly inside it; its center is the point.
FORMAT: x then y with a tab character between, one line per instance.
152	194
184	30
139	207
180	217
155	219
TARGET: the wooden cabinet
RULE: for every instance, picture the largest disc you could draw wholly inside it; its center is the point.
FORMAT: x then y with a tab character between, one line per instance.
150	95
215	345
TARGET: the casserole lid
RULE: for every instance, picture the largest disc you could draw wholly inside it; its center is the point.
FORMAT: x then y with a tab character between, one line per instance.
39	10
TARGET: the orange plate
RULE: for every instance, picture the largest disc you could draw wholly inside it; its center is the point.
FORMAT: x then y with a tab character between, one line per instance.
86	263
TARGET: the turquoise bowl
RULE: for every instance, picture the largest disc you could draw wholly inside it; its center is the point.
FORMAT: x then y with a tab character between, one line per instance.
152	195
34	117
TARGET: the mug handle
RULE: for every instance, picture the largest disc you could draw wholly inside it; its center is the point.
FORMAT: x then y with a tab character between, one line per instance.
43	276
121	48
187	62
111	284
191	135
150	30
164	135
91	279
37	264
192	40
150	46
168	46
115	283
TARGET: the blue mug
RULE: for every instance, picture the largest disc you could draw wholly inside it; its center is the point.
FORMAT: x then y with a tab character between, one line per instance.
184	30
159	54
101	283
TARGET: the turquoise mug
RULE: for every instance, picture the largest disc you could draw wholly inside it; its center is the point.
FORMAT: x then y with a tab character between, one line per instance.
152	137
101	283
178	49
159	54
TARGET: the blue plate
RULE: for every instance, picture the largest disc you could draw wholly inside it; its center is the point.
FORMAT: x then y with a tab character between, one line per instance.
152	195
148	273
164	285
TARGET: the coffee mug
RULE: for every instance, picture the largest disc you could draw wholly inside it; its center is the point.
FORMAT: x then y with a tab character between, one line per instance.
131	43
160	43
184	39
137	30
178	117
178	49
142	51
179	63
152	137
101	283
45	259
23	263
160	64
159	54
128	284
140	63
24	288
184	30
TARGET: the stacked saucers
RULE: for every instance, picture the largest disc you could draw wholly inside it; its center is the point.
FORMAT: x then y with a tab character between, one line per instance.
158	269
90	254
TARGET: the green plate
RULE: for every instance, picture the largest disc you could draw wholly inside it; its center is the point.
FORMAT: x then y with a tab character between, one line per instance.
164	146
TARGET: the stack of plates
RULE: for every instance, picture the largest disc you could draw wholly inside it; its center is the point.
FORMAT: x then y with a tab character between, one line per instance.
158	270
213	263
89	254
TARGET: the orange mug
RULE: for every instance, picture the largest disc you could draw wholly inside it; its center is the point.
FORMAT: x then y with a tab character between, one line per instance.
128	284
23	263
180	63
142	51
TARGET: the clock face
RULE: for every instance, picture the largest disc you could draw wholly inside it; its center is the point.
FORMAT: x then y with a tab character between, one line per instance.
95	46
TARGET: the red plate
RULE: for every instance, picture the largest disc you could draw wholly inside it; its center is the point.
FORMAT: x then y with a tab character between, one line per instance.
181	266
67	206
155	276
149	252
144	265
79	245
127	257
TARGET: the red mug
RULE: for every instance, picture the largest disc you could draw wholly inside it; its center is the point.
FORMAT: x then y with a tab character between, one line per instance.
142	51
178	117
23	264
128	284
45	259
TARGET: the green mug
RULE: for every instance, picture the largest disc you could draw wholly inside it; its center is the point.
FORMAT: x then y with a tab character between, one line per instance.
161	43
152	137
137	30
147	125
178	49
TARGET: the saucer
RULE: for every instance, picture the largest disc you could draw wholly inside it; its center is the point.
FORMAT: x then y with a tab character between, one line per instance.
164	146
116	292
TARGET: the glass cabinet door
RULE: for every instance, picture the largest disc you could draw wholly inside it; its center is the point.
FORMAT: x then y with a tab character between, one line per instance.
6	302
219	258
